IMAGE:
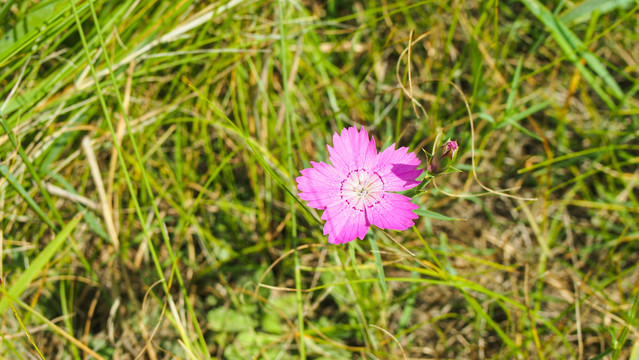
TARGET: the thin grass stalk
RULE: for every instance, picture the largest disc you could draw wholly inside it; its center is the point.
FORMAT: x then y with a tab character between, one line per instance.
129	183
288	114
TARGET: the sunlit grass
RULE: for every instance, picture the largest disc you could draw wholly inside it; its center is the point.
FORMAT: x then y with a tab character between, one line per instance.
147	188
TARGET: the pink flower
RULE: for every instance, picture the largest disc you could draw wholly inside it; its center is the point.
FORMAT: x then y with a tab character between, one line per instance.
354	190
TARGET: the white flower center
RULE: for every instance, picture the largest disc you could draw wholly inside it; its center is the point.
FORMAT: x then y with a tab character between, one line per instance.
361	189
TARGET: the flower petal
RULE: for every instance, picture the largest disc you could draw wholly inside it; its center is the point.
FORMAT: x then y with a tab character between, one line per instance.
397	168
391	211
352	150
319	185
344	223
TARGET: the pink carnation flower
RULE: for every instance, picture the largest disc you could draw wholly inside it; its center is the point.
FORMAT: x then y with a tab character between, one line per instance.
354	190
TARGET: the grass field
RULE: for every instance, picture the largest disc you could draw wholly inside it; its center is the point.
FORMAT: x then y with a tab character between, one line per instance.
149	151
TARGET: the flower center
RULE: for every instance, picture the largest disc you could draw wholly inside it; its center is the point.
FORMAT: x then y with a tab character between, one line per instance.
362	188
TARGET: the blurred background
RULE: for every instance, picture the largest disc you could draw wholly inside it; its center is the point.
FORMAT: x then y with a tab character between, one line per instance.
149	150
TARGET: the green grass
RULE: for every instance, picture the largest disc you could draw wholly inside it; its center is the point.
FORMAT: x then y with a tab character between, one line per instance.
147	180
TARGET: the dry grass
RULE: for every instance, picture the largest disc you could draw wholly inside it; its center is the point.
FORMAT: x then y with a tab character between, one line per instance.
179	153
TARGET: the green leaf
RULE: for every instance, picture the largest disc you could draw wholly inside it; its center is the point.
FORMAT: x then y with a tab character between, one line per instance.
248	344
39	263
575	51
434	215
486	117
514	118
272	323
489	320
583	11
4	171
513	87
229	320
287	303
378	264
27	31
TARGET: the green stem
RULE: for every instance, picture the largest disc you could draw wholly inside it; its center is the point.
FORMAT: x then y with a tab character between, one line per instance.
378	264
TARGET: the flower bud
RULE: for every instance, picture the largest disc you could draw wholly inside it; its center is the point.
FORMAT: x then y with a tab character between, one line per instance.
443	158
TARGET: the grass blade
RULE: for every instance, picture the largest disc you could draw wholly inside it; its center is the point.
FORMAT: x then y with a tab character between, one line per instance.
4	171
574	50
434	215
39	262
584	10
378	264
